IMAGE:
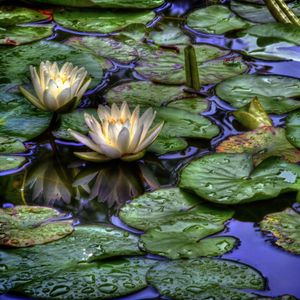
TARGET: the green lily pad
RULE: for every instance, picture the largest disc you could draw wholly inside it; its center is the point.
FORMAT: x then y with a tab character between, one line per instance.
275	93
33	54
169	205
167	66
14	15
284	226
169	34
11	162
163	145
101	20
232	179
276	31
11	145
217	19
262	143
293	128
85	244
24	34
204	278
124	4
104	280
24	226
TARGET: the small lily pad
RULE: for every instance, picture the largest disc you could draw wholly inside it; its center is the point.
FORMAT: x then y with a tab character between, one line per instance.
262	143
24	34
293	128
217	19
24	226
167	66
276	93
103	21
232	179
204	278
11	162
284	226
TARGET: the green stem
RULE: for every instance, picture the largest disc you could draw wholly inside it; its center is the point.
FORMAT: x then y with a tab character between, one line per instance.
276	11
191	68
289	13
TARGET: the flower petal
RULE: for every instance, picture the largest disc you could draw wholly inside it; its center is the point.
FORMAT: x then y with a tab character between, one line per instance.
91	156
85	140
123	140
35	101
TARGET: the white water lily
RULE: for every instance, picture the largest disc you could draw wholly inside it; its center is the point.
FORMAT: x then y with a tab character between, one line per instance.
57	89
119	134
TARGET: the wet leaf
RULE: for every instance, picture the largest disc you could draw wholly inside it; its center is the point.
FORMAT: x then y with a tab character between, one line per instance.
276	93
293	128
169	205
262	143
23	34
33	54
215	19
167	66
85	244
163	145
24	226
284	226
232	178
204	278
11	145
11	162
104	280
103	21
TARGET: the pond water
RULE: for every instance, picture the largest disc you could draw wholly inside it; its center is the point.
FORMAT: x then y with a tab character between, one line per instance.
121	182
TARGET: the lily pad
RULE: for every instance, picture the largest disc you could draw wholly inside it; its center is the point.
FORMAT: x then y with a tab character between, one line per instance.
11	162
85	244
14	15
24	226
103	21
293	128
217	19
204	278
163	145
232	179
262	143
24	34
33	54
104	280
169	205
275	93
167	66
284	226
11	145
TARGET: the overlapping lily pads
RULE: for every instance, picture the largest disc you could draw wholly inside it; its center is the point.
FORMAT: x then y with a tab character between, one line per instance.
293	128
24	226
215	19
276	93
204	279
101	21
15	72
262	143
233	179
167	66
284	226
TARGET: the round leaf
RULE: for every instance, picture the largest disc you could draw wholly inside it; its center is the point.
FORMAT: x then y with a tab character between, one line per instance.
274	92
232	178
24	226
11	162
293	128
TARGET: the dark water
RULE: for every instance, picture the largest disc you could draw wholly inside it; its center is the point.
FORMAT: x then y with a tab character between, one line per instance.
281	269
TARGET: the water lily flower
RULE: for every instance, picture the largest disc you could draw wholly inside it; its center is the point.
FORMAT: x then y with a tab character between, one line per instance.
57	89
119	134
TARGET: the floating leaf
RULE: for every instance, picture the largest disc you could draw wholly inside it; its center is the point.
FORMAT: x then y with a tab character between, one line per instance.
262	143
24	226
103	21
232	179
167	66
204	278
169	205
215	19
284	226
293	128
24	34
33	54
275	93
11	162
